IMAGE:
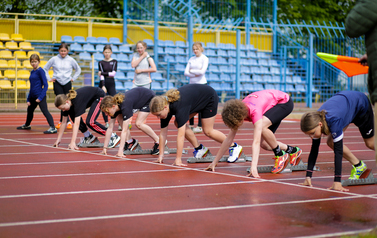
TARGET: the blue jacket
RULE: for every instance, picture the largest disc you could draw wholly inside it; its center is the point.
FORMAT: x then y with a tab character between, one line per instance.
38	84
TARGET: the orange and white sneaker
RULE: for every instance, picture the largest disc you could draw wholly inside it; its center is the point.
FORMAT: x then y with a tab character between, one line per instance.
69	125
58	125
280	163
294	157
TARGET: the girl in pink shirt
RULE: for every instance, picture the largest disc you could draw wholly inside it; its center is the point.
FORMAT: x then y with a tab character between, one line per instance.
265	109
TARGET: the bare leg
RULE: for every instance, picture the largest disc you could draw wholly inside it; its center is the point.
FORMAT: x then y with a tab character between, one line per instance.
140	124
207	125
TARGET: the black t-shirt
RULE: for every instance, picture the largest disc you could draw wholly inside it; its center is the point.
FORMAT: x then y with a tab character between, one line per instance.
134	100
107	67
84	99
193	98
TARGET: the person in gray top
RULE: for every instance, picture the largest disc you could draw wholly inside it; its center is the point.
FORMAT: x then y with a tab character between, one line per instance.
144	65
62	65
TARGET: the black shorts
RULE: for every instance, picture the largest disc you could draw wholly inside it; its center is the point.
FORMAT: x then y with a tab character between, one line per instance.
211	108
365	123
277	113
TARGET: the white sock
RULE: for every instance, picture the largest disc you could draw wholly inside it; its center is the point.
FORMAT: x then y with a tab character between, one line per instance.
129	141
87	133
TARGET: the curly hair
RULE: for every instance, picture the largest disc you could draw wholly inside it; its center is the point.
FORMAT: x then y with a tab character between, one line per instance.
311	119
234	112
62	98
158	103
108	101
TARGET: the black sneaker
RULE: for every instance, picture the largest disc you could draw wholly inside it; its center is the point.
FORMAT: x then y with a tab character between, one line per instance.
87	140
24	127
52	130
155	150
131	146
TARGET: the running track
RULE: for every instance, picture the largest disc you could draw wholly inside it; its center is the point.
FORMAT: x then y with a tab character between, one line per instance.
55	192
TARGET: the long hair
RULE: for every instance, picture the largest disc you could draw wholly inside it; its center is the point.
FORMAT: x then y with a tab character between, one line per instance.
158	103
109	101
62	98
311	119
234	112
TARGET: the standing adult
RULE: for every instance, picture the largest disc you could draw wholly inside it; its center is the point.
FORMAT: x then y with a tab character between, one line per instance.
63	66
144	65
195	70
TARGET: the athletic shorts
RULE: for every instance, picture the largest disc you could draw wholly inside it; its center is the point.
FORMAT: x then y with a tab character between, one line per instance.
277	113
365	123
211	108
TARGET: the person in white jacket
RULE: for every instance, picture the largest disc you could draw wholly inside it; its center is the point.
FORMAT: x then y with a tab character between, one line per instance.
195	70
63	66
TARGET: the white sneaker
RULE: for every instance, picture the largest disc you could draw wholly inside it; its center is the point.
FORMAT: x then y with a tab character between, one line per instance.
107	125
114	140
120	128
197	130
198	154
234	153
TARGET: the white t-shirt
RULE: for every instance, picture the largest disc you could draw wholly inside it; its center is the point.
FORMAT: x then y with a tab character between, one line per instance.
196	69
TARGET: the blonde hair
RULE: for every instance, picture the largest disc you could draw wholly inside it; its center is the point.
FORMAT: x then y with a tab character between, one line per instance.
199	45
109	101
62	98
142	43
234	112
311	119
158	103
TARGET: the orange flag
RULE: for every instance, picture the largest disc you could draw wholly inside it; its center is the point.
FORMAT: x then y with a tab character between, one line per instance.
349	65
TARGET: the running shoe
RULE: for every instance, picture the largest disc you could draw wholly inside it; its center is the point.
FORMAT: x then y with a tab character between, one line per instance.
24	127
201	152
51	130
87	140
58	125
119	128
197	129
155	149
107	125
280	163
358	171
234	153
69	125
295	156
131	146
114	141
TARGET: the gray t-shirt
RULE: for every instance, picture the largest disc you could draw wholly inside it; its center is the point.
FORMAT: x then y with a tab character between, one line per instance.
142	78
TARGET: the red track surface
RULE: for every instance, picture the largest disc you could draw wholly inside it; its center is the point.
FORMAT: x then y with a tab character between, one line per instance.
55	192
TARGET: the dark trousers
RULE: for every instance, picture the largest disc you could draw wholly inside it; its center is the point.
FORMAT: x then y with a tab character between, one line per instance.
199	120
43	106
91	119
110	87
62	89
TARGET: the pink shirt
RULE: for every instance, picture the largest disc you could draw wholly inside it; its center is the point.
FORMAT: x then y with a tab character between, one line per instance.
261	101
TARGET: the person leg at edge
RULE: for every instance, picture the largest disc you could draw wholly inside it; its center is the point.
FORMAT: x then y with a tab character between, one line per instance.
140	124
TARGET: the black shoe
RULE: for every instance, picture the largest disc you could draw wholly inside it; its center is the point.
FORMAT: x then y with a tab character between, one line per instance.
24	127
52	130
155	150
131	146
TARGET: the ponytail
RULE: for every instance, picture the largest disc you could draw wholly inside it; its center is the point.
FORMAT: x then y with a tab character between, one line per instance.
62	98
158	103
109	101
311	119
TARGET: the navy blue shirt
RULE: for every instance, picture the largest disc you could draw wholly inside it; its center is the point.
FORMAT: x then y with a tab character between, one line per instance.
38	84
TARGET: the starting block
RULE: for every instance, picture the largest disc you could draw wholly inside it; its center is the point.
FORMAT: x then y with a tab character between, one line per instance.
139	151
208	158
365	179
94	144
300	166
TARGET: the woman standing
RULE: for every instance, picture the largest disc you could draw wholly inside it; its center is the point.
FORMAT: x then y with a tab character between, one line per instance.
195	70
62	65
144	66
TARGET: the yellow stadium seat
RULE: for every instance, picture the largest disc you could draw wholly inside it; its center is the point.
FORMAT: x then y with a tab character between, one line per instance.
21	84
26	64
11	45
50	85
5	84
2	47
3	64
10	73
51	73
23	74
20	55
34	52
4	37
42	63
1	75
17	37
6	54
12	64
26	46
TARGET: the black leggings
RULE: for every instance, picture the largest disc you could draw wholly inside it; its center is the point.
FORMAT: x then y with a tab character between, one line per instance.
91	119
62	89
43	106
199	120
110	87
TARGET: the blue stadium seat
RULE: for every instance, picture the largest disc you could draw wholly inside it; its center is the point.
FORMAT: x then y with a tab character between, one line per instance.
289	88
263	62
119	86
149	42
66	39
267	78
243	54
102	40
76	48
276	79
225	78
130	76
232	61
251	54
91	40
95	65
228	87
264	70
210	53
221	46
179	51
181	44
213	78
213	60
300	88
232	69
297	80
258	87
230	46
169	58
156	86
79	39
169	51
213	69
222	53
123	58
269	86
115	41
157	77
120	76
124	66
211	45
128	85
89	48
180	68
181	59
115	49
247	87
245	70
161	43
125	49
98	56
216	86
222	61
224	69
261	55
99	48
232	53
245	78
275	70
255	70
169	43
85	56
258	79
161	50
274	63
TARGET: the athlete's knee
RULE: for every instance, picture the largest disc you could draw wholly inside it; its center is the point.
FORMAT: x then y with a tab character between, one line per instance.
139	124
370	144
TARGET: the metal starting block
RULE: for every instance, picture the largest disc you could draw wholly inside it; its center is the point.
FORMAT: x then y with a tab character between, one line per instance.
365	179
139	151
300	166
94	144
208	158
